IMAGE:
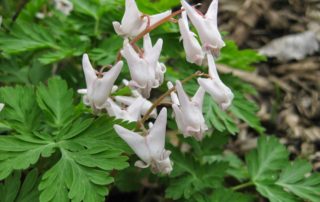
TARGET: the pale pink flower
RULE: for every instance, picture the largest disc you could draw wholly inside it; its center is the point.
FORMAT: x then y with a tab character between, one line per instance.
206	26
134	22
192	47
98	89
188	112
220	93
150	148
130	113
146	71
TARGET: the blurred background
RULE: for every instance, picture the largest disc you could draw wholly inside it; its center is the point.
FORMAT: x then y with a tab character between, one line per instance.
288	33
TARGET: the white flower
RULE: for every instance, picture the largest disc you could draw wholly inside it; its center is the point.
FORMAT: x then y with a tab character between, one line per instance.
131	113
98	89
188	113
220	93
134	22
150	148
206	26
146	71
65	6
145	106
0	21
191	45
1	106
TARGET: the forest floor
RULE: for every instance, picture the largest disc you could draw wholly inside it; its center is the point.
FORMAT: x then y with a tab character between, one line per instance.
288	32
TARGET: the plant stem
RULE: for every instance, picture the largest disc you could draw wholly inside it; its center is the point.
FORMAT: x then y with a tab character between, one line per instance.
241	186
158	101
149	29
157	24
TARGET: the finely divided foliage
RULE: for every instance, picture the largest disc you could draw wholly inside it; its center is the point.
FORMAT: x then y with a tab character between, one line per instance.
82	150
55	148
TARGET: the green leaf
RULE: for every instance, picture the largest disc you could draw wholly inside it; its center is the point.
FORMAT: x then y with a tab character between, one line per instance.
217	118
269	157
189	178
27	37
246	111
227	195
56	101
10	187
69	179
22	114
21	151
293	178
13	190
240	59
274	193
87	7
29	189
152	7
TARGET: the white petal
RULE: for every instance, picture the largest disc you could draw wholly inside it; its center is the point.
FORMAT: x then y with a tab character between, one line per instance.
1	106
135	141
195	17
155	18
156	137
89	72
173	95
114	109
102	87
141	164
114	88
184	100
212	67
117	28
125	99
212	11
134	110
82	91
197	99
179	118
192	47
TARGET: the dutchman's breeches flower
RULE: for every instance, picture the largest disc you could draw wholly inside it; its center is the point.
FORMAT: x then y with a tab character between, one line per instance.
131	113
150	148
134	22
188	112
220	93
206	26
145	106
146	71
98	89
194	52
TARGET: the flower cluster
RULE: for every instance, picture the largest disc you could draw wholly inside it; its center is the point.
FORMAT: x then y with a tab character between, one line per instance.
147	72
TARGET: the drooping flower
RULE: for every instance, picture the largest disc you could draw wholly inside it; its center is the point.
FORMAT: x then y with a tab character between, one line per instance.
130	113
98	89
192	47
150	148
134	22
220	93
145	106
206	26
145	70
65	6
188	112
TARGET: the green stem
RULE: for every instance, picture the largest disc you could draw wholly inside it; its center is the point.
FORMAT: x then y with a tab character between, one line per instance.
96	28
241	186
